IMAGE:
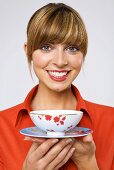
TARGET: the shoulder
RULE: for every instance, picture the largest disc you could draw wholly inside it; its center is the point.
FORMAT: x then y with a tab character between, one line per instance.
91	106
100	110
11	111
98	106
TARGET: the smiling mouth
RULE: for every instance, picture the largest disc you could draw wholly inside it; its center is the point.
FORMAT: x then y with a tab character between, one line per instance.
58	75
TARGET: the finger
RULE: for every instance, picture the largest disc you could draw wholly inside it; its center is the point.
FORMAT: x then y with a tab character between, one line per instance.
60	157
36	143
88	138
53	153
33	147
68	156
44	148
34	139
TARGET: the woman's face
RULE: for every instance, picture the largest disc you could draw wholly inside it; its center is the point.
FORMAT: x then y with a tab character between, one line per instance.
57	65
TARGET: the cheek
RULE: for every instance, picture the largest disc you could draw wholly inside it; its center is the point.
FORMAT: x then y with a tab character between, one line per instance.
40	61
76	62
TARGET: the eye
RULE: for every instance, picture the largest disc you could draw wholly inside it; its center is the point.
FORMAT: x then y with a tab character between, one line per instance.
72	48
46	47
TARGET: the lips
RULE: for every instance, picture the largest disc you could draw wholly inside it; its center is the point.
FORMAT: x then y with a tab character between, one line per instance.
58	75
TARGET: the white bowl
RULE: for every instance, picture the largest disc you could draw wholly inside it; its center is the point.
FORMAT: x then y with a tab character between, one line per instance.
56	121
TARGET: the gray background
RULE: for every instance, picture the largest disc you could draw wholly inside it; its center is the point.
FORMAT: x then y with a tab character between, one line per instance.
96	80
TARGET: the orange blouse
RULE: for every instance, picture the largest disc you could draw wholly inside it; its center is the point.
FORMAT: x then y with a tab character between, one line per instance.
13	148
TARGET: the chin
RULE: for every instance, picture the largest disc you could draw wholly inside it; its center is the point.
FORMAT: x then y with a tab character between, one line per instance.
59	88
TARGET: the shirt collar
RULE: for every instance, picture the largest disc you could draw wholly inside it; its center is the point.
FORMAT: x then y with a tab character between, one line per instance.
25	108
81	104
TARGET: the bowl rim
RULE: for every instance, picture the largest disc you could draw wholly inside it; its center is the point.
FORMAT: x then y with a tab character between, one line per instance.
41	112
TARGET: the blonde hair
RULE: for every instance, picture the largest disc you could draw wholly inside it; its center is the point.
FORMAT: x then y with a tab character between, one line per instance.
56	23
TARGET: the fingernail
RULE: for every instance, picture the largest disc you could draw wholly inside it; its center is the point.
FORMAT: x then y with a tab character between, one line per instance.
69	140
72	150
55	140
27	138
88	138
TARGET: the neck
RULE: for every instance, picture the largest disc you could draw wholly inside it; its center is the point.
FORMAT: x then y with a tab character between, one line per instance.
51	100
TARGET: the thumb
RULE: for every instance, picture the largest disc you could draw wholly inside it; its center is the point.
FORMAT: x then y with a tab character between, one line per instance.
88	138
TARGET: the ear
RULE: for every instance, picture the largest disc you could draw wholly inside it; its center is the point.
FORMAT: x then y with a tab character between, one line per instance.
25	48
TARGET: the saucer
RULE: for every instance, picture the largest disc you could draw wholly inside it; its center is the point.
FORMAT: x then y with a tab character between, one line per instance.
36	132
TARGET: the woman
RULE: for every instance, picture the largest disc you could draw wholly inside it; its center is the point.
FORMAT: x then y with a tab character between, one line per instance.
56	48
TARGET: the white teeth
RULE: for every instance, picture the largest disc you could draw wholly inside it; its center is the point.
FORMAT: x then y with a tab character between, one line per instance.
57	74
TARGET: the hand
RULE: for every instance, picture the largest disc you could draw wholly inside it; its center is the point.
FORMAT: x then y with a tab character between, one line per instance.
48	154
84	155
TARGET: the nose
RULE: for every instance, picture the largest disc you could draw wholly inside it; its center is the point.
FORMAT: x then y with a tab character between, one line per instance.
60	58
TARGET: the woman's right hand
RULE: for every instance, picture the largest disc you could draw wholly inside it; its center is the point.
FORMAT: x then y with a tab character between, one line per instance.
49	155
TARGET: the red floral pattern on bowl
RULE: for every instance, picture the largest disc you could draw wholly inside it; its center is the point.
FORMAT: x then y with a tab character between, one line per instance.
59	120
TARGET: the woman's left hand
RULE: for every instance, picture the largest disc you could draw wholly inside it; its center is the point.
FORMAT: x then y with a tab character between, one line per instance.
84	155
